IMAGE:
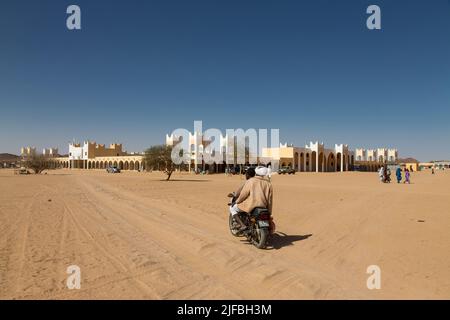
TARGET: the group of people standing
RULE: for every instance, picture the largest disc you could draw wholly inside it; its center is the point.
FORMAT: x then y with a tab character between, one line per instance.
385	175
398	173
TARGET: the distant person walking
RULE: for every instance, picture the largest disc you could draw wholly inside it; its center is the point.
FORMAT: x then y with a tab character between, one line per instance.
398	173
387	175
407	176
381	174
432	170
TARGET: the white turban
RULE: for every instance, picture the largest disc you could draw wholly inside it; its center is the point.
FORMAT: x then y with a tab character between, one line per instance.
261	171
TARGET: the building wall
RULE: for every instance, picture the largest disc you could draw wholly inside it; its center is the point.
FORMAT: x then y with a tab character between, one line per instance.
392	155
313	157
136	162
414	166
50	152
376	155
278	153
90	155
27	151
360	154
91	150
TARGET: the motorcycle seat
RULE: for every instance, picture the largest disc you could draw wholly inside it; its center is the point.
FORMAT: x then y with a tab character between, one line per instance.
258	211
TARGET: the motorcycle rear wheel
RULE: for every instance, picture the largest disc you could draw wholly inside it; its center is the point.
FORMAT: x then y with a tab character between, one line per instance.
259	236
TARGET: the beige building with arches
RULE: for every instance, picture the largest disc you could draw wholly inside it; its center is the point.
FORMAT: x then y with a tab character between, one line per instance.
314	157
91	155
373	159
379	155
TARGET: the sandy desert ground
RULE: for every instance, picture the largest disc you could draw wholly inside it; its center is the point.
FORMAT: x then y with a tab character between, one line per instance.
137	237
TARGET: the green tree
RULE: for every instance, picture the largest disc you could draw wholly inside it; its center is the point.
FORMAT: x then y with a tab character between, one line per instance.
160	158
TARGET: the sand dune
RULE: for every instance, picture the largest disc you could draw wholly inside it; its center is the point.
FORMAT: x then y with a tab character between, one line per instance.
135	236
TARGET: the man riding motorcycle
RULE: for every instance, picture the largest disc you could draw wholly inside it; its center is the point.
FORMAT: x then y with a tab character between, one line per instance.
256	193
249	173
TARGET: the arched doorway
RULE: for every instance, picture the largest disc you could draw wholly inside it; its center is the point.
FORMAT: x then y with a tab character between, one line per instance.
308	163
121	165
321	162
313	161
302	162
296	161
126	165
338	161
331	163
136	165
131	165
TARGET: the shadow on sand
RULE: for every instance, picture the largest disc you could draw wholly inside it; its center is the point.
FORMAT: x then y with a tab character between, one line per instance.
280	240
185	180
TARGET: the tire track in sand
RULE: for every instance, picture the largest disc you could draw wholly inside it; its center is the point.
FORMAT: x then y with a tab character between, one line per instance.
211	253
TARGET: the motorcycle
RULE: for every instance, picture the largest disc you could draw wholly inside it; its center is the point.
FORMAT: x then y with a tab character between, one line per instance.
259	224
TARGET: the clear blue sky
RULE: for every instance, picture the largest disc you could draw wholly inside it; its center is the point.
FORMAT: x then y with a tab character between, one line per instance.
139	69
